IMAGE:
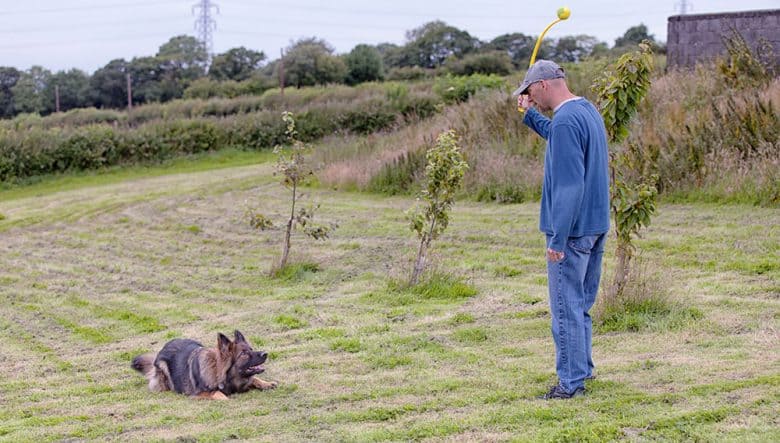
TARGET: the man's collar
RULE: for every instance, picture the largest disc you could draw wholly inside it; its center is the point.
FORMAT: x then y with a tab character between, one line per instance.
564	102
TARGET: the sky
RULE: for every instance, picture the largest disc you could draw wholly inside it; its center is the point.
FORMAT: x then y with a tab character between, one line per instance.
87	34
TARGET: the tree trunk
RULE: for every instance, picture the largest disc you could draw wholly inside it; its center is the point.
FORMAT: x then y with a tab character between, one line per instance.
623	256
286	251
419	264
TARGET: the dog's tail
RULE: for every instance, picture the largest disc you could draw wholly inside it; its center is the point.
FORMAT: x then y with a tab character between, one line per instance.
158	378
143	363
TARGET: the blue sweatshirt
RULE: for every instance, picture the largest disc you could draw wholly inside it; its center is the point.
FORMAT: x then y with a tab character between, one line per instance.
575	193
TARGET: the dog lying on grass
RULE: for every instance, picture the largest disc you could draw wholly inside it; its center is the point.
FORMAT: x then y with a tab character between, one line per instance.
187	367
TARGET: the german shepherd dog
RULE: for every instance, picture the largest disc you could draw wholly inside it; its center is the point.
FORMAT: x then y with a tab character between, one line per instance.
187	367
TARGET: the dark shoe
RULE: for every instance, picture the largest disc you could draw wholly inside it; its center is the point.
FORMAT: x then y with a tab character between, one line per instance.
591	377
557	392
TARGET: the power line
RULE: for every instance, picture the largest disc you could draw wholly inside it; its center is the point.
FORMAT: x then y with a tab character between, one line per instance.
445	15
85	8
101	24
134	37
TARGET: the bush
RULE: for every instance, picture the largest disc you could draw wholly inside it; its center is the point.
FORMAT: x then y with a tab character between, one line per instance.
253	95
257	131
90	148
368	118
494	62
205	88
459	89
743	67
154	132
412	107
419	108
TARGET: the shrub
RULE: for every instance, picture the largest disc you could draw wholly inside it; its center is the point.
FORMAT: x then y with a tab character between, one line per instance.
494	62
369	117
154	132
256	131
459	89
419	108
89	148
412	107
744	68
364	64
206	88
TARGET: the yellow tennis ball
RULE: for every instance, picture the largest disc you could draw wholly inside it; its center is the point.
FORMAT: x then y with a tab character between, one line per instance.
564	13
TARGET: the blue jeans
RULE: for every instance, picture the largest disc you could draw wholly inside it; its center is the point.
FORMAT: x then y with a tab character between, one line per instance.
573	283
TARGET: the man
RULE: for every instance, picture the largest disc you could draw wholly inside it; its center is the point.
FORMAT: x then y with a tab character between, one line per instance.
574	215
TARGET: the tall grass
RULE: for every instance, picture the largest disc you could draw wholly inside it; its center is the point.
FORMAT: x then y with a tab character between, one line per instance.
644	304
505	158
705	139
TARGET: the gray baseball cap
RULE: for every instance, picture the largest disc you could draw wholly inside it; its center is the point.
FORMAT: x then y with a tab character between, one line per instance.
541	70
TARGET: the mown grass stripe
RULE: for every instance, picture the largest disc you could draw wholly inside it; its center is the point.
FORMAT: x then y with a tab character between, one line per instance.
140	323
733	385
17	333
87	333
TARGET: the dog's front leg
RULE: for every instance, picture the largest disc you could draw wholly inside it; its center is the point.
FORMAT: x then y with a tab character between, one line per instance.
261	384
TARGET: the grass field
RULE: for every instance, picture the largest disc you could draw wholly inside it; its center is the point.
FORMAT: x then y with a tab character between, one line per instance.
104	270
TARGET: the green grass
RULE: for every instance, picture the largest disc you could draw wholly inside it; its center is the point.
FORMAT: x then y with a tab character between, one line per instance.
293	272
289	321
225	158
648	314
359	355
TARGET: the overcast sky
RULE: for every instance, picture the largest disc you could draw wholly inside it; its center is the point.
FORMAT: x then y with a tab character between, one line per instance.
87	34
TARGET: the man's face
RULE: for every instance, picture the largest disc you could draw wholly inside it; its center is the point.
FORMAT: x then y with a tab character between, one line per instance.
537	94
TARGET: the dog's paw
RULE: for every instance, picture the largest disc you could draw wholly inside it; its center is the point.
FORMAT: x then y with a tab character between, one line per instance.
263	385
217	395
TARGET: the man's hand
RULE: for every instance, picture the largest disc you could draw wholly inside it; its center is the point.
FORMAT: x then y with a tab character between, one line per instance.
554	256
523	102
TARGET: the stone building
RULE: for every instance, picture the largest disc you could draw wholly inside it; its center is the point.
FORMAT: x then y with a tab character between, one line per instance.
699	37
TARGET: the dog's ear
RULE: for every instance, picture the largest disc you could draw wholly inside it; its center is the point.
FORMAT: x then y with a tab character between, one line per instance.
223	343
239	337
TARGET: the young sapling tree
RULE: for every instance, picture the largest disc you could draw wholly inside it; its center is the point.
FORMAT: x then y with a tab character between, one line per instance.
443	175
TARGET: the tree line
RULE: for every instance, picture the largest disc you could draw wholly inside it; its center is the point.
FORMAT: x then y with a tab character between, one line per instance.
183	69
